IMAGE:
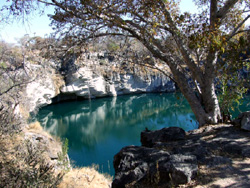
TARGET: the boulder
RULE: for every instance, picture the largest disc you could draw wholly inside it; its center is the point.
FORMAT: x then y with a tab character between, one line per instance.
173	160
150	138
243	121
147	167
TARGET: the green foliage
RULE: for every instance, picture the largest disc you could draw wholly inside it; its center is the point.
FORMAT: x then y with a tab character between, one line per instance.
233	84
232	93
112	46
63	156
3	65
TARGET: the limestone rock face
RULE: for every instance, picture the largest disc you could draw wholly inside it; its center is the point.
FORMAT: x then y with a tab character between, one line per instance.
96	75
42	87
40	93
86	83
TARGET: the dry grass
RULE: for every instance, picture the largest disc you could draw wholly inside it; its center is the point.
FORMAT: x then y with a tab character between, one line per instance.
24	112
52	144
8	144
85	178
58	82
23	163
35	126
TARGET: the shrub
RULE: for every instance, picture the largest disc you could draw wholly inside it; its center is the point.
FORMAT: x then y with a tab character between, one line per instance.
22	164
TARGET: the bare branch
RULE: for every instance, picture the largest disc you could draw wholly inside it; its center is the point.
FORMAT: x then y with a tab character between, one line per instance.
14	86
213	15
224	10
234	32
46	2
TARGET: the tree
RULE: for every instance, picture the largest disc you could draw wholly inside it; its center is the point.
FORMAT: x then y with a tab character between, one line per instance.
190	44
22	162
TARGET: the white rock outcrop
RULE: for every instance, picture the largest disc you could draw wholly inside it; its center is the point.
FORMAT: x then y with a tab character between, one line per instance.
86	83
42	87
95	76
40	93
245	120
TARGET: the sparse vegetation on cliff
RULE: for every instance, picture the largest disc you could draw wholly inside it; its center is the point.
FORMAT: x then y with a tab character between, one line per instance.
87	177
29	157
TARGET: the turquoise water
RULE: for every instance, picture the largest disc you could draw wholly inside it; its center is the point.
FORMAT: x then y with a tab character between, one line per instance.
99	128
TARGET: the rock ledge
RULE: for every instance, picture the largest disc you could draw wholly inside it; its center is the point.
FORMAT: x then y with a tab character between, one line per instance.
172	160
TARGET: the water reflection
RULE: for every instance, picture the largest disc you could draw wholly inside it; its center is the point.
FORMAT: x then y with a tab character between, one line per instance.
98	129
91	122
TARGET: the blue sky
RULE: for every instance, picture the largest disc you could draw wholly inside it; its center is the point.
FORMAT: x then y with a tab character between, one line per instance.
39	25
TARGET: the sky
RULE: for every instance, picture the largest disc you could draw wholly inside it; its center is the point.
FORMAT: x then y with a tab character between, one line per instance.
39	25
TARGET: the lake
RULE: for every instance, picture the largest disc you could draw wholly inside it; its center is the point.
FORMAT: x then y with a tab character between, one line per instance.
99	128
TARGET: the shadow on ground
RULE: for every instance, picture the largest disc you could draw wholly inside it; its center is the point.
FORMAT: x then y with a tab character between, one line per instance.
223	154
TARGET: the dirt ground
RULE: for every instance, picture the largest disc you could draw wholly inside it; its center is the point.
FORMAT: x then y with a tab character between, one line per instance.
235	175
233	171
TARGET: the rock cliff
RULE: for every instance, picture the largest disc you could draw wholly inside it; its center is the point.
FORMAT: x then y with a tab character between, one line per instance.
86	83
43	86
93	75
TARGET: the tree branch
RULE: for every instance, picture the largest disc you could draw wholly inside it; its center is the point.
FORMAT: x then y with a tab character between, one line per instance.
224	10
15	85
155	68
213	13
196	71
46	3
234	32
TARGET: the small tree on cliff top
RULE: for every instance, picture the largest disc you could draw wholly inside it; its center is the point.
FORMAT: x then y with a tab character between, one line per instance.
190	44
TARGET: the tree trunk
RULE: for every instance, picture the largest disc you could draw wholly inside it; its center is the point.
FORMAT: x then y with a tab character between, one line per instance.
207	110
211	103
189	94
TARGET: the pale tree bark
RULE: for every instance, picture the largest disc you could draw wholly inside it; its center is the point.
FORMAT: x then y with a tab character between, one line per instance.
181	79
207	109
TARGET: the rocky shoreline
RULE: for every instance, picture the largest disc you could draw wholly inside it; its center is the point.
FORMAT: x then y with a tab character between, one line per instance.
171	157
